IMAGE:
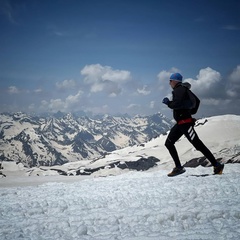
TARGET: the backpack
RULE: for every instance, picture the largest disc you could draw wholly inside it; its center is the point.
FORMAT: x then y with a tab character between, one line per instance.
195	101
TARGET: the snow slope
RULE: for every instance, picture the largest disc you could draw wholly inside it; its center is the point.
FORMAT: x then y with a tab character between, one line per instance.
221	134
135	205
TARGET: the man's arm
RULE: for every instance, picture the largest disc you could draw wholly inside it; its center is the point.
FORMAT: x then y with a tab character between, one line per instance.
178	97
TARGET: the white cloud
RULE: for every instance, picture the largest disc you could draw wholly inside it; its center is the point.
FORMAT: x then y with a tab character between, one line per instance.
13	90
233	88
66	84
209	86
163	78
206	83
73	99
116	75
56	104
217	93
133	105
113	95
44	103
97	87
104	78
235	75
144	90
92	72
67	105
39	90
164	75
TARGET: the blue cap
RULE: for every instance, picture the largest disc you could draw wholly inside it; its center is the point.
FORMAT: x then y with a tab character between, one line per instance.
176	77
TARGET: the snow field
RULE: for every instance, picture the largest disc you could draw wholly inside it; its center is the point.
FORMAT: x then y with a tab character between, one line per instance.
135	205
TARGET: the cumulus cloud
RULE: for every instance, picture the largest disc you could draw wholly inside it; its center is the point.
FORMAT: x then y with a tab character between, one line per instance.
104	78
209	85
215	91
218	94
144	90
233	88
235	75
73	99
206	82
163	77
213	88
66	84
66	105
56	104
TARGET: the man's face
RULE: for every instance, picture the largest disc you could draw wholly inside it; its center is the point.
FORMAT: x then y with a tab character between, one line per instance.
173	83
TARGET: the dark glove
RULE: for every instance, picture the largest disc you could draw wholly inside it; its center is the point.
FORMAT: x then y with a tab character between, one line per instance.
165	101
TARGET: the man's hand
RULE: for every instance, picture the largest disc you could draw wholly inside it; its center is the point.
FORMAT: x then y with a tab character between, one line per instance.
165	101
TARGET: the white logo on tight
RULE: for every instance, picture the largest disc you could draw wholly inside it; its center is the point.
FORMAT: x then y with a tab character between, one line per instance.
191	133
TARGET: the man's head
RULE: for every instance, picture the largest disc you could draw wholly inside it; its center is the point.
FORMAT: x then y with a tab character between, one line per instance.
175	78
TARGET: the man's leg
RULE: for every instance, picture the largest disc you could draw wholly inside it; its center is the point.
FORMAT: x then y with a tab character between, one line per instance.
189	131
173	136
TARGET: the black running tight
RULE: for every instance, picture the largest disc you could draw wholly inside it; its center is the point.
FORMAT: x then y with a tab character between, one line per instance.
186	129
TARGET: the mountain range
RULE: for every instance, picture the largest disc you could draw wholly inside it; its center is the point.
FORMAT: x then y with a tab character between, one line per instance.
47	141
219	133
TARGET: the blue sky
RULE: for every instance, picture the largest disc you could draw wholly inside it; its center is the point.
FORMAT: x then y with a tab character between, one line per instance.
116	56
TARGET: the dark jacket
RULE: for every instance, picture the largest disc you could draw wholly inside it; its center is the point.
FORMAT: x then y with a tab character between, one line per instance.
179	102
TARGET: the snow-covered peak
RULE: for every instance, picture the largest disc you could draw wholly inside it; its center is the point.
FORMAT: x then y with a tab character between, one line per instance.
52	140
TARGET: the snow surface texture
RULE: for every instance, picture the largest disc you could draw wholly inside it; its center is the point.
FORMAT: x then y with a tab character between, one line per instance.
135	205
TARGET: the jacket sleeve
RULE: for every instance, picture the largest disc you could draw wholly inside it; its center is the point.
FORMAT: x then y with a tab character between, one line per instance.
179	95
